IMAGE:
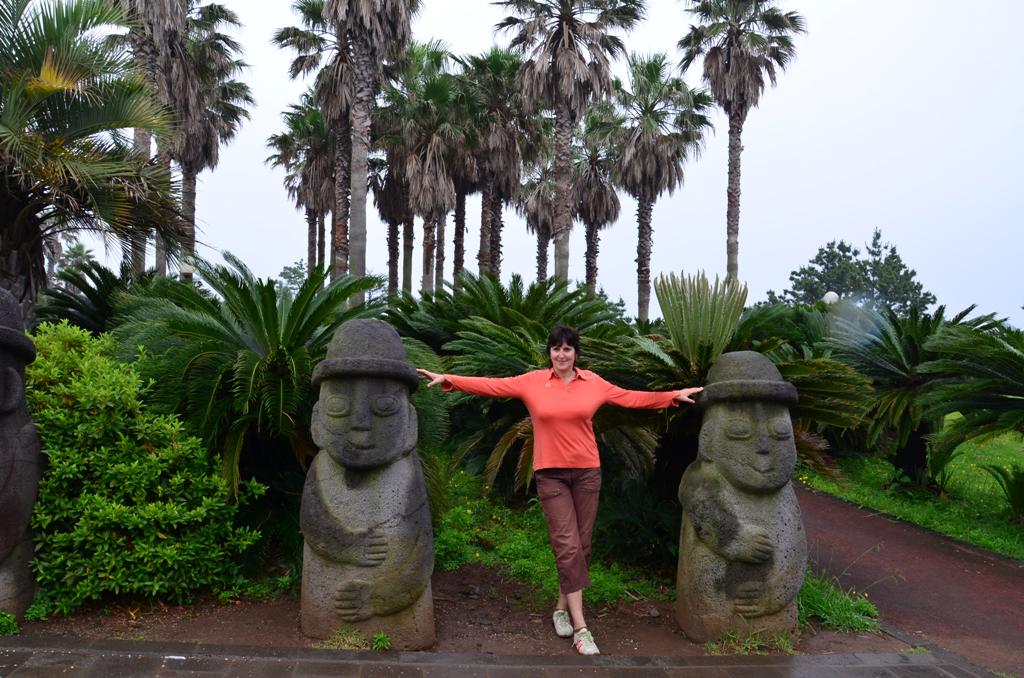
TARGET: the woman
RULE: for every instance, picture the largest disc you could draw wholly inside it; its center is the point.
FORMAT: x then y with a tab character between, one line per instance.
562	400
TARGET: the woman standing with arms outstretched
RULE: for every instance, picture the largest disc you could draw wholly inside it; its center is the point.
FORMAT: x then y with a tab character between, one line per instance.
562	401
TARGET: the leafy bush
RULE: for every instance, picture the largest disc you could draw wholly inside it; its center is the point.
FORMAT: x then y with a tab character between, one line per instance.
8	625
129	503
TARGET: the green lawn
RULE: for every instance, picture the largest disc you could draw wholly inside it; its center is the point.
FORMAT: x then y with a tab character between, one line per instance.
975	510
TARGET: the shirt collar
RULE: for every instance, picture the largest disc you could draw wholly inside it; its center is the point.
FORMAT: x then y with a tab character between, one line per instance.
580	374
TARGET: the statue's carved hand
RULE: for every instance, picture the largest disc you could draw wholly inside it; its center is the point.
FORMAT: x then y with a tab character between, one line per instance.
374	549
749	599
752	545
352	601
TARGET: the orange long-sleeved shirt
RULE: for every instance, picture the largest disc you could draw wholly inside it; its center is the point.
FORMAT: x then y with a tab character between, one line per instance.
563	432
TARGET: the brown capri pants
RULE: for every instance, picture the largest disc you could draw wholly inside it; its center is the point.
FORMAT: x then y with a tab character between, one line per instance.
569	499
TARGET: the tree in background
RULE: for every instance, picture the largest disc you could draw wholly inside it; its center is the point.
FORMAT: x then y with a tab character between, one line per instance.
880	277
569	45
742	41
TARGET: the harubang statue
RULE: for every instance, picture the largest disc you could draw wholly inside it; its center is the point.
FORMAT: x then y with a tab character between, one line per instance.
20	462
369	550
742	551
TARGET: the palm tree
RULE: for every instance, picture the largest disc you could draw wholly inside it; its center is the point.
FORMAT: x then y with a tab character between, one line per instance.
741	41
568	45
306	153
664	123
222	103
238	364
536	202
506	135
65	97
321	49
595	200
376	32
424	123
391	198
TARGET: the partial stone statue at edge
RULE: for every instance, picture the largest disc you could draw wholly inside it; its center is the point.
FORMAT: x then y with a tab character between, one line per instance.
369	550
742	551
20	462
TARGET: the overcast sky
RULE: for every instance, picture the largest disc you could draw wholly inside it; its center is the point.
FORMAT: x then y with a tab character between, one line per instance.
903	115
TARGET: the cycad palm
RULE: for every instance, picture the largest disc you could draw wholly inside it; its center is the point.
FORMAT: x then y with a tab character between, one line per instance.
569	45
742	41
65	97
238	364
664	124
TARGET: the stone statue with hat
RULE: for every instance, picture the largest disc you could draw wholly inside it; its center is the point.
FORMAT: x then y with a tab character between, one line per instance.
20	462
742	550
369	550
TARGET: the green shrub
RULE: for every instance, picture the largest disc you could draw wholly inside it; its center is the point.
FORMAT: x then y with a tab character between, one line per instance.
129	503
1011	482
8	625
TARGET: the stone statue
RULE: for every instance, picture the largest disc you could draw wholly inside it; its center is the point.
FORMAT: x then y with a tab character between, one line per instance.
742	548
20	462
369	545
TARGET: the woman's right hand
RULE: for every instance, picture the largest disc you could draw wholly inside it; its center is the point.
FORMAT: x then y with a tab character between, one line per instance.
434	378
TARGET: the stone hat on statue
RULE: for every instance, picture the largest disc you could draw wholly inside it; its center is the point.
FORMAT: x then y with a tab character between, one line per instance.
745	375
366	348
12	334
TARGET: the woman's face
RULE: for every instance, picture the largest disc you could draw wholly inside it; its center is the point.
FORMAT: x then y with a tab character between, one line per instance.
563	357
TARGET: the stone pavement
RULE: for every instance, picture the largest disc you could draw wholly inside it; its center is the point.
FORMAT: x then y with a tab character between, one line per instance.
56	656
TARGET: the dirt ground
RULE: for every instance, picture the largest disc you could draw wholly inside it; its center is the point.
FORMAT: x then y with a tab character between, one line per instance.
476	611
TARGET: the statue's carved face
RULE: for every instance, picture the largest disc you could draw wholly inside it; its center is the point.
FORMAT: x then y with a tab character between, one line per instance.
751	443
364	422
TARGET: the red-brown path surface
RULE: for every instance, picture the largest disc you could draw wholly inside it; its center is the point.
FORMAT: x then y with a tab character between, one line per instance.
968	601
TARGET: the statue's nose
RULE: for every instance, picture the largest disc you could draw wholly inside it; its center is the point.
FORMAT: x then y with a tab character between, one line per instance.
763	446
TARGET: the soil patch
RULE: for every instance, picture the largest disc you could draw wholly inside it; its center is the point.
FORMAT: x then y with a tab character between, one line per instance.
476	610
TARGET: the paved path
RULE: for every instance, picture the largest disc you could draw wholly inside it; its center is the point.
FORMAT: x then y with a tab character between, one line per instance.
127	659
968	601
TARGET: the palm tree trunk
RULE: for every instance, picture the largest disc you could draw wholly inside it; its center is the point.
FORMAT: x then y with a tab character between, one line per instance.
363	70
563	215
459	238
644	207
593	242
320	238
496	225
188	213
732	214
141	146
340	213
543	240
439	253
310	240
408	243
159	246
427	283
392	258
483	257
22	262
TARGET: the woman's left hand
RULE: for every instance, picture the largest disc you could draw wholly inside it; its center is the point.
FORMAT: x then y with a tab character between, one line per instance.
685	395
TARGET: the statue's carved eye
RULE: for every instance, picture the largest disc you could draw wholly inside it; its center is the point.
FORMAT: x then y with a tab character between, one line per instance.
781	430
385	405
338	406
737	429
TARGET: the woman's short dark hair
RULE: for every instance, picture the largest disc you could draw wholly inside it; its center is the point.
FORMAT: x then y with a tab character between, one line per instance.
560	334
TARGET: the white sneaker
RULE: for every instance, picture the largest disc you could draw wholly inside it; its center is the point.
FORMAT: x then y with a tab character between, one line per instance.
563	626
584	642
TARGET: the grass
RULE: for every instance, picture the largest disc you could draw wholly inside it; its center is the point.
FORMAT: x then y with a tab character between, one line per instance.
755	643
821	602
974	508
